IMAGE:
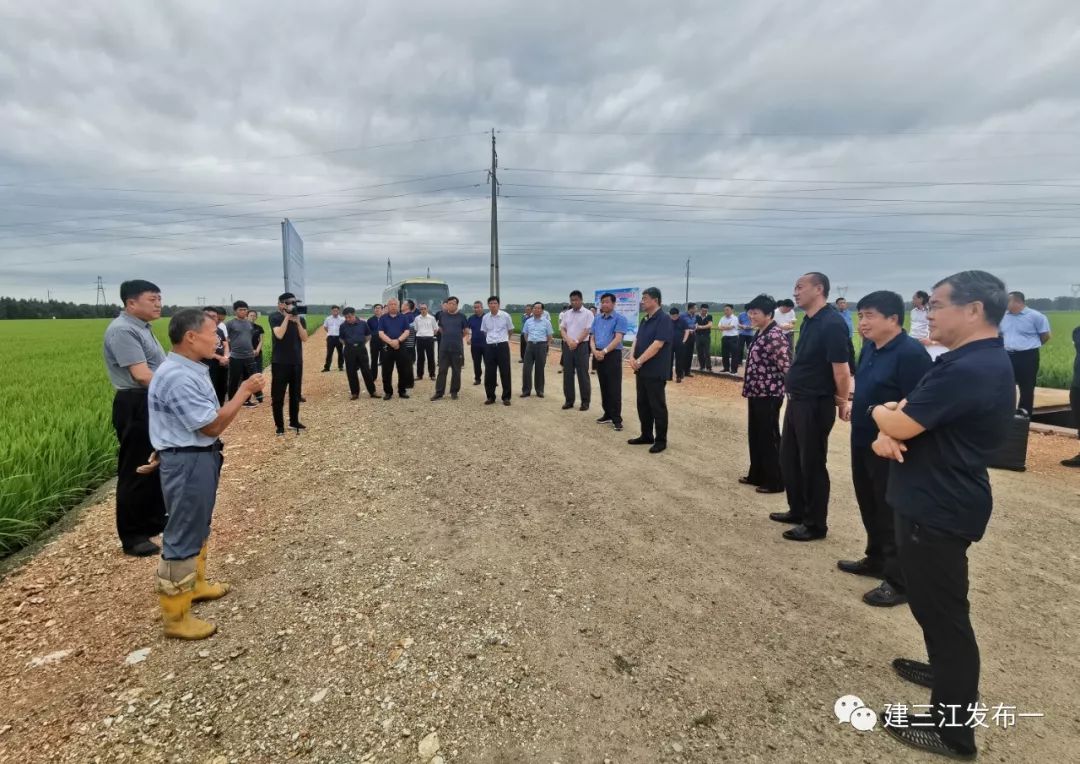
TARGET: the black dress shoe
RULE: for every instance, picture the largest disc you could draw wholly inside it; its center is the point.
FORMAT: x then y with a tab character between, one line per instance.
374	395
785	517
863	567
802	533
539	395
354	397
746	481
506	401
326	369
618	427
453	396
567	406
640	441
388	396
605	419
927	738
303	399
489	401
476	382
584	407
767	489
884	596
280	431
436	396
658	446
142	548
1074	462
915	672
402	395
525	395
297	426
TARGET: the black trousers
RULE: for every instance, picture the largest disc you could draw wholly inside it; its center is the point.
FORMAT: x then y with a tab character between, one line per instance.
396	358
729	354
688	355
535	360
286	377
763	437
679	358
425	349
477	360
333	345
410	354
497	359
239	370
935	567
375	346
356	359
576	364
1074	402
652	407
745	341
609	378
870	476
804	450
219	378
1025	364
452	361
522	343
703	343
140	507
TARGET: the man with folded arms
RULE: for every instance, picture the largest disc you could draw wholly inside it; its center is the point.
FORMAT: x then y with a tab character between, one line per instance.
185	422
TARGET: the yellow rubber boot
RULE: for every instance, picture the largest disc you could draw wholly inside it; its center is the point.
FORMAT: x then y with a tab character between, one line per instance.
207	590
176	610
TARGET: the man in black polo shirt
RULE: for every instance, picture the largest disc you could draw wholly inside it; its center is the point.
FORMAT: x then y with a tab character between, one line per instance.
288	334
890	366
650	358
939	439
354	335
817	386
375	343
703	325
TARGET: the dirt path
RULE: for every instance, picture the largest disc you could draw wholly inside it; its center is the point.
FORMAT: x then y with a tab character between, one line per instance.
530	588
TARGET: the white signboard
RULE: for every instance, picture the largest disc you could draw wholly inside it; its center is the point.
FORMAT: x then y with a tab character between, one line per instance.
292	251
628	303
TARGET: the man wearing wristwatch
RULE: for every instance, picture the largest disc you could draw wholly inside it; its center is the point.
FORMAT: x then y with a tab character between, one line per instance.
605	343
817	386
890	366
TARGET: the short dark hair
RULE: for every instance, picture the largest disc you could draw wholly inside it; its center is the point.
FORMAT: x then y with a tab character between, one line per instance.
652	292
575	293
785	303
1018	295
979	286
607	296
412	303
729	305
349	311
286	296
335	306
220	310
239	304
210	309
136	288
477	303
763	302
821	280
184	321
704	306
923	296
493	297
674	311
884	302
377	305
452	297
690	306
538	303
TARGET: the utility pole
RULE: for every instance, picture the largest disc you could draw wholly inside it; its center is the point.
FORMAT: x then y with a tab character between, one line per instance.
389	276
100	301
493	179
686	297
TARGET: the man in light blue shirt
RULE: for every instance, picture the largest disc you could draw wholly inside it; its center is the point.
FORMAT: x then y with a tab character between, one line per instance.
185	422
536	334
842	309
606	343
1024	331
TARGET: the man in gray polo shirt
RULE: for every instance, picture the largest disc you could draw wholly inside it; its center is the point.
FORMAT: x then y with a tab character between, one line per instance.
132	355
242	363
185	422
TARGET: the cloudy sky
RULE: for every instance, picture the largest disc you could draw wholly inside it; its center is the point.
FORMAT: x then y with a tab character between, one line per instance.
885	143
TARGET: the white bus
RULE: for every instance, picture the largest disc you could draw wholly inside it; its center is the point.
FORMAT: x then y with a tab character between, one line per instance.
431	292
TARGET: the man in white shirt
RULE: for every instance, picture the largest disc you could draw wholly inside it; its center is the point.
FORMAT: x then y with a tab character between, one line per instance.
785	319
332	325
1024	331
729	341
425	325
497	327
574	326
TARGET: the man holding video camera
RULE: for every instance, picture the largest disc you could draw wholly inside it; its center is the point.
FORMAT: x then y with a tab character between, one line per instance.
288	335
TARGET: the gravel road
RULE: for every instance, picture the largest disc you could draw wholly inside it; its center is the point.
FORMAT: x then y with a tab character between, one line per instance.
454	582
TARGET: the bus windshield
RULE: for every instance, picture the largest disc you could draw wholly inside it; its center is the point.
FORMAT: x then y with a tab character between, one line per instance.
432	295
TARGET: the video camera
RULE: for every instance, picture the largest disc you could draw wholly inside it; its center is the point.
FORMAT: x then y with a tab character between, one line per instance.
296	309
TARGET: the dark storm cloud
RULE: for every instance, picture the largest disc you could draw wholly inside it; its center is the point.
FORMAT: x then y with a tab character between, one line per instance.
885	143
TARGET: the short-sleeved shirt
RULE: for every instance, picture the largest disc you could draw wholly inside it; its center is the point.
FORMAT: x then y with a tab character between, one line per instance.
846	315
767	364
658	326
332	324
476	331
497	327
129	341
241	334
786	321
574	323
537	329
744	321
678	330
394	326
885	374
425	325
410	341
182	401
289	349
729	326
354	333
257	333
701	320
823	340
1021	330
966	402
605	329
452	328
920	323
687	321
